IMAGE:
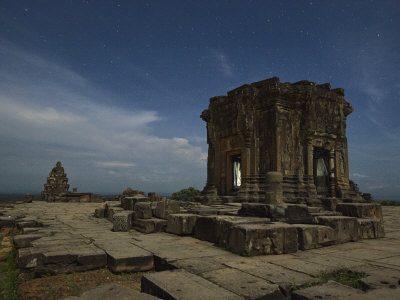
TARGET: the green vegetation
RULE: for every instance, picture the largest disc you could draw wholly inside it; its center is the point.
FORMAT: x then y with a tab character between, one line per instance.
388	202
343	276
187	194
71	284
9	277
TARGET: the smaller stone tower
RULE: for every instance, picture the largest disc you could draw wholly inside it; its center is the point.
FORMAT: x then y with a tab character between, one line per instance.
57	184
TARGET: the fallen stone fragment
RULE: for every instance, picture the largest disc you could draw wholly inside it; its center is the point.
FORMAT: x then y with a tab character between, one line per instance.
181	224
109	291
150	225
243	284
328	291
143	210
315	236
346	228
180	284
371	228
360	210
122	221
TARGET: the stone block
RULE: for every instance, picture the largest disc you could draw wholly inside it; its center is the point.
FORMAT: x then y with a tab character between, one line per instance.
111	211
290	213
150	225
254	210
273	187
128	203
24	240
346	228
360	210
205	228
122	221
370	228
143	210
261	239
315	236
129	259
180	284
216	229
7	221
330	290
99	212
181	224
154	197
166	207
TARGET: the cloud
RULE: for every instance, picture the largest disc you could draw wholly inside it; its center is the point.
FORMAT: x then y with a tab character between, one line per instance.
224	66
115	164
50	113
359	176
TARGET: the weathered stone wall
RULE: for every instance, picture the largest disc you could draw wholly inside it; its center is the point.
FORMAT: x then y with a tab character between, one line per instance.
276	126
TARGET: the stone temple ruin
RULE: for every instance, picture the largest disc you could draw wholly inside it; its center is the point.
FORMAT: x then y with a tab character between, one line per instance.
297	130
277	176
277	182
56	189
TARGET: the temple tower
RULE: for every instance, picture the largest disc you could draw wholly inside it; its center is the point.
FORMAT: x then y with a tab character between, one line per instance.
296	129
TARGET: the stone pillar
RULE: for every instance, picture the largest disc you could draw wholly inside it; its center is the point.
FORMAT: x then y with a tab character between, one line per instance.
332	173
310	158
273	188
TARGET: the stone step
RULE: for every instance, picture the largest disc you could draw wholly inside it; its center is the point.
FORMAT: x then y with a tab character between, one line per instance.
62	258
180	284
126	257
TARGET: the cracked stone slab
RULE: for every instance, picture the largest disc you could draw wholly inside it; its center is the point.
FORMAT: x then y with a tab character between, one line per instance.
287	279
244	284
180	284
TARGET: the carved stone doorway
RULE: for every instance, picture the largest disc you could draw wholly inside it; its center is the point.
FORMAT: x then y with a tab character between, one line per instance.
321	170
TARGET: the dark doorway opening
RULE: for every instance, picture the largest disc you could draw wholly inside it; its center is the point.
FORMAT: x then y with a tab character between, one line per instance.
321	171
237	172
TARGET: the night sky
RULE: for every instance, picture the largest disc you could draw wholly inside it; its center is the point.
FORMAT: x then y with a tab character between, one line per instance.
114	89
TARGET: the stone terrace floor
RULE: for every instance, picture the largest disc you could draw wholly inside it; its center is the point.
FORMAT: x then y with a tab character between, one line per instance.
246	277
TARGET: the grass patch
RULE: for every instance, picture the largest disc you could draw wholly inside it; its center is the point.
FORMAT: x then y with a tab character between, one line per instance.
9	277
71	284
343	276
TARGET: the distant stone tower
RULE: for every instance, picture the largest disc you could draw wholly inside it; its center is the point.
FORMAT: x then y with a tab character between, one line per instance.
57	184
298	130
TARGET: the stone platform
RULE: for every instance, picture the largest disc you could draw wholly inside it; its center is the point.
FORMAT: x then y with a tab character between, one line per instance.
66	237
